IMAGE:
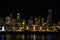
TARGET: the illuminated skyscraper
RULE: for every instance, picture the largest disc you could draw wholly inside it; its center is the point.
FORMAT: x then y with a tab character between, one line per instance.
7	23
18	20
42	21
7	20
18	16
13	24
30	22
37	23
49	18
44	24
23	23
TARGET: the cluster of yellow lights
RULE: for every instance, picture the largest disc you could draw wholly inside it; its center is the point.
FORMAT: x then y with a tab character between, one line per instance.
22	28
34	29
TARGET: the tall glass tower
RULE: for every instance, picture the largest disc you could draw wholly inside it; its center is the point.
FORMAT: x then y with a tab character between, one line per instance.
49	19
18	20
7	22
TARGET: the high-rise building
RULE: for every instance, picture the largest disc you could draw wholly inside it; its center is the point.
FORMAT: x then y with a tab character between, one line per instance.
37	23
13	24
42	22
18	21
49	19
30	22
18	16
7	23
23	23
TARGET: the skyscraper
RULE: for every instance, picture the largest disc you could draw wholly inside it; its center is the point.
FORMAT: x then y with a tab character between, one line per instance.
18	20
49	19
30	22
7	23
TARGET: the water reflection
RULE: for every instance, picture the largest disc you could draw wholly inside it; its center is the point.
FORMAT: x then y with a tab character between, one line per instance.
25	37
49	36
2	36
11	36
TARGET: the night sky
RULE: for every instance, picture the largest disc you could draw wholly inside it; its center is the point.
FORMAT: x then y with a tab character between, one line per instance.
29	8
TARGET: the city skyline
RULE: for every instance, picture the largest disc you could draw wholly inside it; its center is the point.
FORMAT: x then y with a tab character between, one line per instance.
43	25
23	14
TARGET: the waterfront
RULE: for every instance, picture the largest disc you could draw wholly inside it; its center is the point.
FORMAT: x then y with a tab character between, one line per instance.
30	36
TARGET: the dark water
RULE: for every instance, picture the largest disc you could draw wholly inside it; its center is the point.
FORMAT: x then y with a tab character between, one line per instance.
29	37
25	37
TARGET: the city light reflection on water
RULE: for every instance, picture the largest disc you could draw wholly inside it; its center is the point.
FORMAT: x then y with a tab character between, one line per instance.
39	36
25	37
2	36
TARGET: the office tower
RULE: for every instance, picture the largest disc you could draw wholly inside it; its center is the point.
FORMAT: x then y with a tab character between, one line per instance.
11	18
13	24
7	23
37	23
49	25
24	24
18	17
18	21
7	20
30	23
49	19
42	23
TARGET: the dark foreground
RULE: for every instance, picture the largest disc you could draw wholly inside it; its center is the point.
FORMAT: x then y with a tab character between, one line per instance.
26	35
